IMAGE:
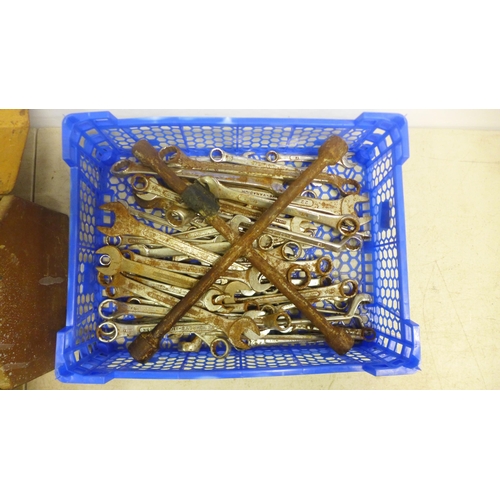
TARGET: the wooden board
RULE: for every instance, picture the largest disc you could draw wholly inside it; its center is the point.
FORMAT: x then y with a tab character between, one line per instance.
33	288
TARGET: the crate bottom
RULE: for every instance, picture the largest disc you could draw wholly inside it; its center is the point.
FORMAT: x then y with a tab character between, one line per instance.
101	367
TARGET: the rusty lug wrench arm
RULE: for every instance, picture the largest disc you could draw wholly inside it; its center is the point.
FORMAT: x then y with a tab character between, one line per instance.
203	202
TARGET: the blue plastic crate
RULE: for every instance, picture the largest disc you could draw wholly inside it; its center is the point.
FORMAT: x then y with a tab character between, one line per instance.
92	142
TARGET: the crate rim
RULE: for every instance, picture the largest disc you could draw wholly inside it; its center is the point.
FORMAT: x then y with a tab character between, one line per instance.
73	120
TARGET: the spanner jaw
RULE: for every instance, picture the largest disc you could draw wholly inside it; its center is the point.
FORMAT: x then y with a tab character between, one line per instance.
237	331
120	225
349	202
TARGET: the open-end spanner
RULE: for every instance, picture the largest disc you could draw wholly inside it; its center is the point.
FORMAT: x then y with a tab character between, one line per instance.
113	261
250	276
125	223
275	157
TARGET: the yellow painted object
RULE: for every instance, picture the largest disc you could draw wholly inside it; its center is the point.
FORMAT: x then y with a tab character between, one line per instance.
14	126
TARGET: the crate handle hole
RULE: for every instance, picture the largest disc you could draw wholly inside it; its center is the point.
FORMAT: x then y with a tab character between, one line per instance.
385	215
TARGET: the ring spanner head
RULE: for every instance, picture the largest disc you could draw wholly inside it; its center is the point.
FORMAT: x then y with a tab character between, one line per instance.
115	258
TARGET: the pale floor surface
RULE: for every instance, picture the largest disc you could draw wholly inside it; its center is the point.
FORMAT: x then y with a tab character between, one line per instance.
451	185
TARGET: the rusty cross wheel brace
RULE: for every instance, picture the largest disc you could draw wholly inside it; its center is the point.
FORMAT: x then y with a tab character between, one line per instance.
202	201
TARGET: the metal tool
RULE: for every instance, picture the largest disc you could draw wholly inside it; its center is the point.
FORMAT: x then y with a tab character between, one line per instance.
251	276
233	175
163	252
357	334
166	273
347	225
112	330
275	157
123	286
126	167
124	223
163	198
175	291
109	331
237	172
144	186
113	262
179	223
125	240
175	158
351	243
346	289
199	233
262	199
345	186
332	150
110	309
336	316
